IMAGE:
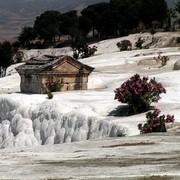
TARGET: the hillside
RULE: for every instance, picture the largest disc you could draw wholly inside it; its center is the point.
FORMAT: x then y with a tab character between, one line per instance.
16	14
33	127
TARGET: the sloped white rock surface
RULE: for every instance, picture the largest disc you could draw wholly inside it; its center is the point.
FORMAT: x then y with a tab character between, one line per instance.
153	156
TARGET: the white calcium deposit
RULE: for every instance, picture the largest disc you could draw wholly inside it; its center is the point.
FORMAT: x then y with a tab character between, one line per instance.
32	119
50	122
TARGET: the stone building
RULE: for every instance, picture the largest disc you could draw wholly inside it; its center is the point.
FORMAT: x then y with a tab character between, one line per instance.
53	73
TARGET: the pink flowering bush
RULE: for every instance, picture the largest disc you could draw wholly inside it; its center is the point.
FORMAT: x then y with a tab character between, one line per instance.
155	24
52	84
155	123
162	59
124	45
139	93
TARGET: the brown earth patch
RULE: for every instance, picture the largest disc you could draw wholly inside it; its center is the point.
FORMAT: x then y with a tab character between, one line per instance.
130	144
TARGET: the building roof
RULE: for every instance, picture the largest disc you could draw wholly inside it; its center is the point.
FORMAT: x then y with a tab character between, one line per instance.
47	62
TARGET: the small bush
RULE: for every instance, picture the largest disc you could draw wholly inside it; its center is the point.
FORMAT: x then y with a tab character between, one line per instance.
139	43
139	93
155	123
124	45
52	84
87	51
84	52
162	59
50	95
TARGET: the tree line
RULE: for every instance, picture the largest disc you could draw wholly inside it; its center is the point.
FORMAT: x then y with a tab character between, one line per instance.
102	20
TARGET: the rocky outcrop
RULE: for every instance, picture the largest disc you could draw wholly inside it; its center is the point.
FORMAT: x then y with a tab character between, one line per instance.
160	39
177	65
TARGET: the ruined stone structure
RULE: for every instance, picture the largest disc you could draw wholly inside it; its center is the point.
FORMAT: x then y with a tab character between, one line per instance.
53	73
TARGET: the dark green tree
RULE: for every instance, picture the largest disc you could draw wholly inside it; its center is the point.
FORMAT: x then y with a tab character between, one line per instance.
87	17
85	25
171	13
6	53
47	25
178	7
26	36
96	17
116	18
125	15
153	10
69	24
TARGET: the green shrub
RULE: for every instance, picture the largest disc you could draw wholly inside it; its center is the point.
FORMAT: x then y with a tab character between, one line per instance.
50	95
139	43
155	123
162	59
124	45
139	93
152	31
84	52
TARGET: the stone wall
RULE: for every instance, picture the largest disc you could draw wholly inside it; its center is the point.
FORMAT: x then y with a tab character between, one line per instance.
31	83
67	82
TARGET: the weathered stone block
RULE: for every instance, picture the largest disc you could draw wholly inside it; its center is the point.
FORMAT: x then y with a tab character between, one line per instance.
69	73
177	65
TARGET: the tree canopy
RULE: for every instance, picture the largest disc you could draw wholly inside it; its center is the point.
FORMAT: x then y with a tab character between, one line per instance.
47	25
126	15
178	7
6	52
69	23
27	34
116	18
96	17
153	10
